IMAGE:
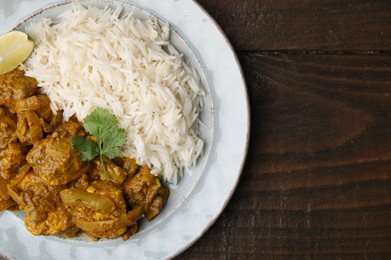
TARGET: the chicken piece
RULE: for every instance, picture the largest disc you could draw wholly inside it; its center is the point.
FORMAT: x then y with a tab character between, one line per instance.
145	190
45	213
54	158
29	129
5	112
12	153
129	165
12	184
5	200
5	204
7	131
3	189
11	159
100	210
113	172
34	118
15	86
40	104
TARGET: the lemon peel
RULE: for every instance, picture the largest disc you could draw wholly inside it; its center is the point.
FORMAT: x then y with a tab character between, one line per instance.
15	48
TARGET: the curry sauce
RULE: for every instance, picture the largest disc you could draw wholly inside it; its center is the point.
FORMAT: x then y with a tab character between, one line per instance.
43	175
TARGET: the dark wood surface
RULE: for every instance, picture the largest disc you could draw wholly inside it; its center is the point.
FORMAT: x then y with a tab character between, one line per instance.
317	181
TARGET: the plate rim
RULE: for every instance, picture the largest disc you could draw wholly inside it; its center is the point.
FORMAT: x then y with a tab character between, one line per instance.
247	107
248	134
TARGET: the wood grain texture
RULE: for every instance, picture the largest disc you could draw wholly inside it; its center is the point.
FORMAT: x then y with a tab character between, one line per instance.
305	25
317	181
317	178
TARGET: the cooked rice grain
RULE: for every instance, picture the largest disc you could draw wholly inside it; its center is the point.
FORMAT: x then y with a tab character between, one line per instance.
96	58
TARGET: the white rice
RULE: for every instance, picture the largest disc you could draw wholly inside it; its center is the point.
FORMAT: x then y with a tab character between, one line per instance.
95	58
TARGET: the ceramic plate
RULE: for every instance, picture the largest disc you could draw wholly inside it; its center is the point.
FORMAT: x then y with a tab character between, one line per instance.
201	195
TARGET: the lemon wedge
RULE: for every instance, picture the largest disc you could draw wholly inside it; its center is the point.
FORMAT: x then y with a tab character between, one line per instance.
15	47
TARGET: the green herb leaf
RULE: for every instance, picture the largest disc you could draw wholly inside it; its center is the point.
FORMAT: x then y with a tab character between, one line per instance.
111	144
101	124
109	138
87	148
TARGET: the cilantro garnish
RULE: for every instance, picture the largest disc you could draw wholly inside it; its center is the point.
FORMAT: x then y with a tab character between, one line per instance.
109	137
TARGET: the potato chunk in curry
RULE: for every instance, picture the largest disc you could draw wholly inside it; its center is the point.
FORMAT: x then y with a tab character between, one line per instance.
15	86
54	159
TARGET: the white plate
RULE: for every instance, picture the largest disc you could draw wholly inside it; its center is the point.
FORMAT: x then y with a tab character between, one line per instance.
199	198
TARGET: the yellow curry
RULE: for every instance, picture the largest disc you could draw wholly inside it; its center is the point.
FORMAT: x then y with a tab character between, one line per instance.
41	173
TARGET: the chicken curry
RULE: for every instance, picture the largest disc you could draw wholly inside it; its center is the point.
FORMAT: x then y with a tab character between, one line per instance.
41	173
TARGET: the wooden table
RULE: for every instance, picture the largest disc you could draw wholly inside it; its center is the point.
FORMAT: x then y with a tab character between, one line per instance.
317	182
